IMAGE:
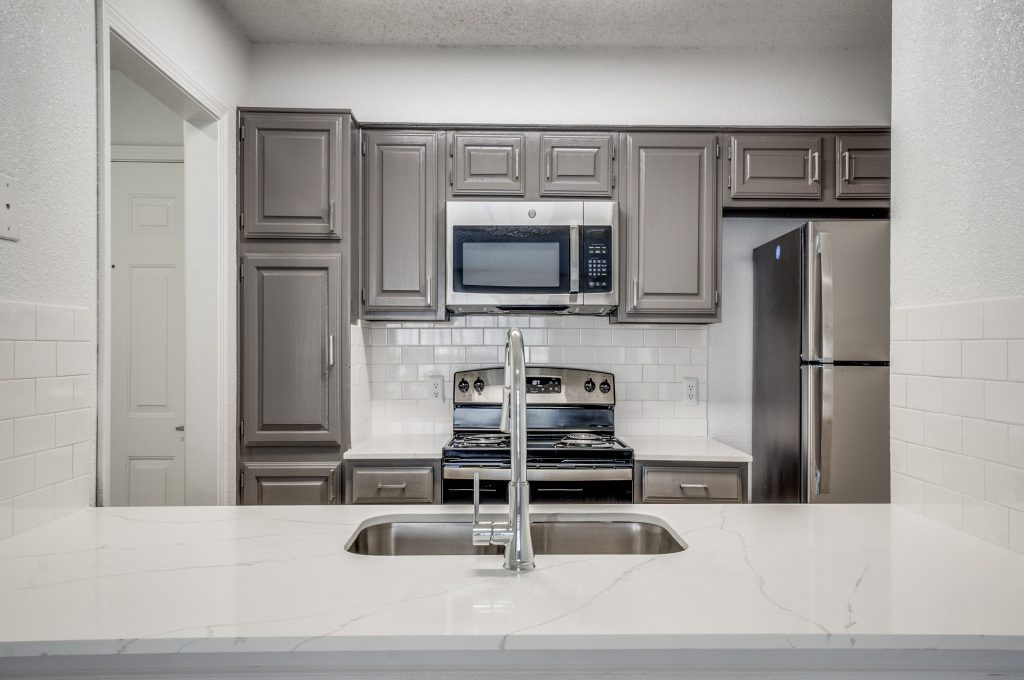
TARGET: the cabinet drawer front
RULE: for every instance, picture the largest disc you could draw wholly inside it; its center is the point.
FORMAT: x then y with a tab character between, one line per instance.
775	166
862	166
576	165
488	164
663	485
393	485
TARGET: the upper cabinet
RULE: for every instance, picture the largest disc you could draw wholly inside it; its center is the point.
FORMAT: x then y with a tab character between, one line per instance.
862	166
291	351
402	266
670	212
775	166
577	164
486	163
295	174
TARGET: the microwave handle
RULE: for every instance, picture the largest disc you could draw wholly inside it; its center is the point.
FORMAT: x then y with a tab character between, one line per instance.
574	258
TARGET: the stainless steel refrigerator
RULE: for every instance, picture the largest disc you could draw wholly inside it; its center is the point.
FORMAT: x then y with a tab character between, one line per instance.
821	365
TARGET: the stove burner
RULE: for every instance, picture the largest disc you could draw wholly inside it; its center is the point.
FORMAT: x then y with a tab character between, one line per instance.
584	436
585	440
486	440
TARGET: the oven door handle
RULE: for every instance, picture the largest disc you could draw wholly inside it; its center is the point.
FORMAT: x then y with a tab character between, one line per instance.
541	474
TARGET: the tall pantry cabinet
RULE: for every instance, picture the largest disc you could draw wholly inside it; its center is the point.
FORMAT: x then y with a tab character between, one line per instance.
298	200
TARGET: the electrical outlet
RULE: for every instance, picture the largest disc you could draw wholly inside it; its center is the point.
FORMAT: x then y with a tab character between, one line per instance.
437	386
10	213
691	396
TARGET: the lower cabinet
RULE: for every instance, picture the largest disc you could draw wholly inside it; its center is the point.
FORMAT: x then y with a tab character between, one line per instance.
392	481
305	483
691	483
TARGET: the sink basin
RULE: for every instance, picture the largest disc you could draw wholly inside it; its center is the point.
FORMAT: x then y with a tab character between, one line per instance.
552	535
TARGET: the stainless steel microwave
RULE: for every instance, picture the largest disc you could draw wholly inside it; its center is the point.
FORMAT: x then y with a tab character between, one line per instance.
552	257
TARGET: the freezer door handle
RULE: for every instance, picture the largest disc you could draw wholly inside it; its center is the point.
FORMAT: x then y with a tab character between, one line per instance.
826	317
825	430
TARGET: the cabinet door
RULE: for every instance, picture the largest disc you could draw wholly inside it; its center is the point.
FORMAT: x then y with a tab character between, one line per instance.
862	166
577	165
775	166
671	225
290	483
290	338
487	164
402	214
291	174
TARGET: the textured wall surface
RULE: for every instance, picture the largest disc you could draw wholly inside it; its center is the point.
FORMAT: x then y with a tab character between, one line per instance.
608	86
48	142
137	117
957	120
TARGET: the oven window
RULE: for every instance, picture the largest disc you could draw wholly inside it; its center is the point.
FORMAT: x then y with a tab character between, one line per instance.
508	265
510	259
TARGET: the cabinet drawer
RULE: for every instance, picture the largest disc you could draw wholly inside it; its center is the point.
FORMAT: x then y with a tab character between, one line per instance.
775	166
393	485
691	485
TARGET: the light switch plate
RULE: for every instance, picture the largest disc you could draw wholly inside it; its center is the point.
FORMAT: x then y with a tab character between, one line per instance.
10	209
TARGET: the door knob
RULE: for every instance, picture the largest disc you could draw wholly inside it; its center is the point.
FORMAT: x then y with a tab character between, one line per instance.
179	428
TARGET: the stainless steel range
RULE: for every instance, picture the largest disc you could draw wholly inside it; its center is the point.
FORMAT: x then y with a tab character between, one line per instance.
573	455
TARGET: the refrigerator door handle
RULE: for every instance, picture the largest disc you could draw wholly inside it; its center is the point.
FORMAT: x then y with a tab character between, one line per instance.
812	432
826	282
825	428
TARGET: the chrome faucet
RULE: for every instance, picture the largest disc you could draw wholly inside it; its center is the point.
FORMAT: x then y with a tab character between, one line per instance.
515	533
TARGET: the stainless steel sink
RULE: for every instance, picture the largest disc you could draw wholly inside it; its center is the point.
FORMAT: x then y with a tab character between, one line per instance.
582	534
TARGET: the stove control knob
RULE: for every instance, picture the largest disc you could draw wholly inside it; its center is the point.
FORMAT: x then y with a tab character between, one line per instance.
589	385
463	386
606	387
478	385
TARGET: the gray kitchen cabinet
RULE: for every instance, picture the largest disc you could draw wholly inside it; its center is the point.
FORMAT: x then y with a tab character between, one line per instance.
290	340
696	482
775	166
295	171
487	163
402	260
294	483
862	167
389	481
577	164
670	260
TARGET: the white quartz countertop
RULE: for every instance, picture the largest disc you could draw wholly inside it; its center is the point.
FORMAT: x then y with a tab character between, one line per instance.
645	447
681	448
384	446
278	579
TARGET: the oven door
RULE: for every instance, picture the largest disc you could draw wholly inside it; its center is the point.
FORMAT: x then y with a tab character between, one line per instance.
501	258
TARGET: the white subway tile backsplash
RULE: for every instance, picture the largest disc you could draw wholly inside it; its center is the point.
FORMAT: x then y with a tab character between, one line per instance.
963	321
33	433
33	509
984	359
75	358
17	398
1004	401
6	519
943	505
1004	318
923	393
897	455
963	474
53	466
85	325
907	357
55	323
17	476
986	440
72	427
1017	531
1004	485
987	520
6	359
898	324
963	397
6	439
943	431
907	425
55	394
924	463
17	320
72	495
942	358
907	492
1015	360
1016	446
898	390
924	323
34	359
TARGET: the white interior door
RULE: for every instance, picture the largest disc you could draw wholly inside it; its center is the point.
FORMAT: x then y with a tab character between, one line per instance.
147	421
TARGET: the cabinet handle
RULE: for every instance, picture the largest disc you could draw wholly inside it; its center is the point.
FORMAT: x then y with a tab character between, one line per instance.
549	165
381	486
693	486
430	291
846	166
816	159
332	493
330	217
517	163
330	350
636	293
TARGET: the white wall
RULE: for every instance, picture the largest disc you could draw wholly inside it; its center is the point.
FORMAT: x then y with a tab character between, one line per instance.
731	342
958	265
691	87
957	122
47	352
139	118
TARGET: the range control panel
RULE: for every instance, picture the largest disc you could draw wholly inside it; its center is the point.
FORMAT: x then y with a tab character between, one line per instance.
544	385
597	259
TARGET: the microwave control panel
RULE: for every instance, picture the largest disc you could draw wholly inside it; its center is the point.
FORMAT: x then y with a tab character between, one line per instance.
597	259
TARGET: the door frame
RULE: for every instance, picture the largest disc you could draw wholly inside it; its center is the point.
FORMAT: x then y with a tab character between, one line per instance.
210	377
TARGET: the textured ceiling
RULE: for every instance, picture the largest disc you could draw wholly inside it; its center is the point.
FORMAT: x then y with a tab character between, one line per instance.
568	23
